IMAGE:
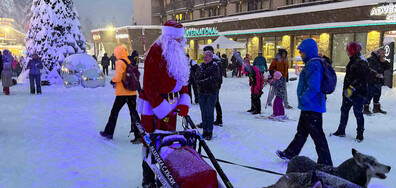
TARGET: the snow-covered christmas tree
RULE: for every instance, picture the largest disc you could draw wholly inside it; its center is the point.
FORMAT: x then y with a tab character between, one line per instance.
54	33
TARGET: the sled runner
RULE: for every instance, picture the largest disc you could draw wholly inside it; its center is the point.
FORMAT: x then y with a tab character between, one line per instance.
175	158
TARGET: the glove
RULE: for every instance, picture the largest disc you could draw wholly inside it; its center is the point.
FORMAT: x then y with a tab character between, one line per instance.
349	91
113	83
183	110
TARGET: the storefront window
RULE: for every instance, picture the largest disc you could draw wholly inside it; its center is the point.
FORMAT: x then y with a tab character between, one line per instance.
362	39
200	51
269	48
339	55
286	45
243	51
297	42
324	44
373	40
253	47
191	50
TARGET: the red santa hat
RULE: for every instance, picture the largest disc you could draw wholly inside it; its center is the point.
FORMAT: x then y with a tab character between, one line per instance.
173	28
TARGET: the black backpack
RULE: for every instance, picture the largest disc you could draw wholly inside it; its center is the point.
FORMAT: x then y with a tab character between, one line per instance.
131	79
329	81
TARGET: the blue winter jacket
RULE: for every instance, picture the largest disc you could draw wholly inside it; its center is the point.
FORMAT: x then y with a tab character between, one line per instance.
310	97
260	63
35	65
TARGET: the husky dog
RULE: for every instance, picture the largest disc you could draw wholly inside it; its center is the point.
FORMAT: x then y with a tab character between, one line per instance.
354	172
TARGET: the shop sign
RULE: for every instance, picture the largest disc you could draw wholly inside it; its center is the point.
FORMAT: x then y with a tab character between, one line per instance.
389	56
122	36
96	37
388	10
201	31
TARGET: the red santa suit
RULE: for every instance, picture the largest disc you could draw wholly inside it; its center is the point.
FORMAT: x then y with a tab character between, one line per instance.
162	93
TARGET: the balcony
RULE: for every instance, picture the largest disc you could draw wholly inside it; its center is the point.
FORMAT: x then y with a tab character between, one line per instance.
206	3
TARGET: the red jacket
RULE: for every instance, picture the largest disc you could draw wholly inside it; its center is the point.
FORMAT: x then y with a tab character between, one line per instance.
257	83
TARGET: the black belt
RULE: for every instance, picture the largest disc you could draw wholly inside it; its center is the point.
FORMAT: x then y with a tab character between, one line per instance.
170	95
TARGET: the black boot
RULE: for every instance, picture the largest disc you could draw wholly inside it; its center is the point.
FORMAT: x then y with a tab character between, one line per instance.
366	109
338	133
251	110
359	137
208	136
218	122
137	140
377	108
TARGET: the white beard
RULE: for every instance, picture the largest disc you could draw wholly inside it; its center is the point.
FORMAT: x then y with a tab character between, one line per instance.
175	56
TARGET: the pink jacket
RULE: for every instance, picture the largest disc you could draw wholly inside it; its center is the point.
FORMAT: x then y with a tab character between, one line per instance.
257	83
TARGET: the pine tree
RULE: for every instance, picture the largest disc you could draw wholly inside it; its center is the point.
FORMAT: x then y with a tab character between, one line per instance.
54	33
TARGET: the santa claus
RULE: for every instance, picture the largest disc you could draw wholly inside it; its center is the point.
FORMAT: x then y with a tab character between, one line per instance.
165	80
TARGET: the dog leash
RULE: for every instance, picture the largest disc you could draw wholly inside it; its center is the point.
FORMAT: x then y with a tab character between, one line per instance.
250	167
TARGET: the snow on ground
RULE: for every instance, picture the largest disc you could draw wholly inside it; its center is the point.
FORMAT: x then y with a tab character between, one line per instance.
52	139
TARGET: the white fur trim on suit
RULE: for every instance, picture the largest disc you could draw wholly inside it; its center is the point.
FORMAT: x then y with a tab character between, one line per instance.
185	100
167	30
163	109
177	87
144	108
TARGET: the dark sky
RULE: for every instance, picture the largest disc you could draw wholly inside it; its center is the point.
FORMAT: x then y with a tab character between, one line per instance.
100	11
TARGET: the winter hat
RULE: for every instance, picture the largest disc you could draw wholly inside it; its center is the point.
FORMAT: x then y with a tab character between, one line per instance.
277	75
247	69
208	48
173	28
354	47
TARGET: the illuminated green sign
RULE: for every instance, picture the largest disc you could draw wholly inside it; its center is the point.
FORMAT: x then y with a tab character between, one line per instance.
201	32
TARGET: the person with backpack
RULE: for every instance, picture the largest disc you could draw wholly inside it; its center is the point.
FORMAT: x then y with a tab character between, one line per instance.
123	95
377	64
256	82
311	102
261	62
191	82
280	64
355	90
237	61
224	62
105	63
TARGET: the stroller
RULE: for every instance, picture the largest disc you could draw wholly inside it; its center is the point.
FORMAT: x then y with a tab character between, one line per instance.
175	161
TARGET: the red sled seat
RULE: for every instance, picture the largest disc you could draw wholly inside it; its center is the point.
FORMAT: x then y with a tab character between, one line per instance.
189	169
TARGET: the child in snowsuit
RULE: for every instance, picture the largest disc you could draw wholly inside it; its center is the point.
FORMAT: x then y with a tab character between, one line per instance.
256	82
278	87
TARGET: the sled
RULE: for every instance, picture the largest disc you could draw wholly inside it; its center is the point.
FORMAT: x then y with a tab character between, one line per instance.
175	158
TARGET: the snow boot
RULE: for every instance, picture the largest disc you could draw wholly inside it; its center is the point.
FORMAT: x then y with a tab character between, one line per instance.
209	136
199	125
288	107
359	138
255	113
105	135
218	122
7	90
377	108
338	133
137	140
366	110
250	111
283	155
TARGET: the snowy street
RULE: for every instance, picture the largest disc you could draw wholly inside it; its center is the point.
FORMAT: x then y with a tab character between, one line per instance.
52	140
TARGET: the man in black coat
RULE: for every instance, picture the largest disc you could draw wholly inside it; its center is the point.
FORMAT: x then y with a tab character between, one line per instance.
105	64
207	79
377	65
355	90
192	86
113	59
219	112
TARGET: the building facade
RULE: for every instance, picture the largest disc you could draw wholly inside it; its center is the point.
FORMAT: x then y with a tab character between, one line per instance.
137	38
267	25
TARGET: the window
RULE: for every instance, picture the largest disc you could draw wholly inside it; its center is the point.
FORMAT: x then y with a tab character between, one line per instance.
239	7
289	2
340	41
